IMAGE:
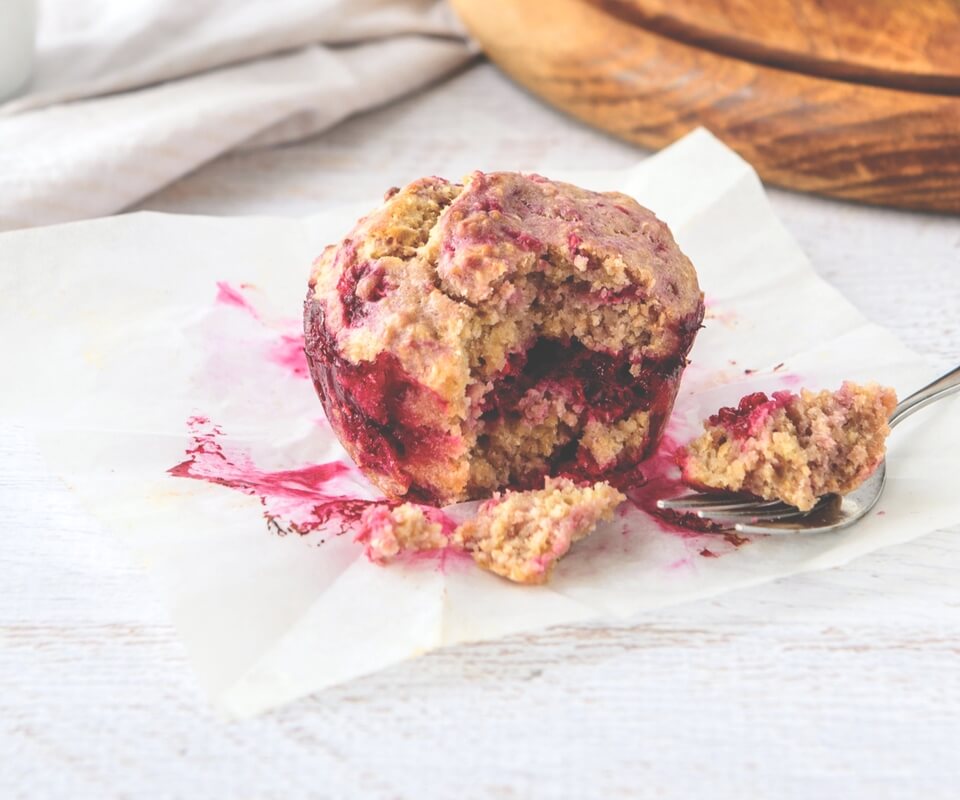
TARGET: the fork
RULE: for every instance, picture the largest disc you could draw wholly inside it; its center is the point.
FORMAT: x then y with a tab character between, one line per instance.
831	513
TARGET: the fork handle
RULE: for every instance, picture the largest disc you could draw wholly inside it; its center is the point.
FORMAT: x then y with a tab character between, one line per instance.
941	387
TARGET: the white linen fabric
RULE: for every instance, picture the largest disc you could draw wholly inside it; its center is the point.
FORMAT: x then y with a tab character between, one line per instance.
127	97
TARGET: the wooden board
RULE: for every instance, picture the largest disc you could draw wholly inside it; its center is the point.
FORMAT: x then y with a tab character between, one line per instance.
912	45
855	140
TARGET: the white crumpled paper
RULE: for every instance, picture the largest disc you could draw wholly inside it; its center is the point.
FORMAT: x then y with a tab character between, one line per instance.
113	337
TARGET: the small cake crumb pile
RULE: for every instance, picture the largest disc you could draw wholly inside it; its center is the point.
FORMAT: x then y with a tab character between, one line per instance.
387	532
518	535
521	535
792	447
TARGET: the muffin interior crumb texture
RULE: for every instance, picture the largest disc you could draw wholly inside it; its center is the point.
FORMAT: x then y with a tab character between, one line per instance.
468	338
388	532
792	447
519	535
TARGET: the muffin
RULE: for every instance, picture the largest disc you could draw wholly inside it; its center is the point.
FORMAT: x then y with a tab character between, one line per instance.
792	447
465	338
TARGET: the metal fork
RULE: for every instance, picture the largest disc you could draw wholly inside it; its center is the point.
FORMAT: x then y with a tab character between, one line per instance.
831	513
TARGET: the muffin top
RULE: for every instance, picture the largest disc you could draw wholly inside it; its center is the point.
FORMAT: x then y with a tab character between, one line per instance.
451	279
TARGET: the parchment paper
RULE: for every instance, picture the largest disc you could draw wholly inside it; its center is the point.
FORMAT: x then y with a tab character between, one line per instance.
115	332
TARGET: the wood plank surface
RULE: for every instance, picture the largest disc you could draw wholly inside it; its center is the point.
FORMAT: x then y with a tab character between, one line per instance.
855	141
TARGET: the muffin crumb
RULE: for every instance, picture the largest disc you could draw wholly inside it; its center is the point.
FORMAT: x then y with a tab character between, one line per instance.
388	532
521	535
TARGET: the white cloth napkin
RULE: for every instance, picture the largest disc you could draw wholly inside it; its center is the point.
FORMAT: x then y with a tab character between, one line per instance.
127	97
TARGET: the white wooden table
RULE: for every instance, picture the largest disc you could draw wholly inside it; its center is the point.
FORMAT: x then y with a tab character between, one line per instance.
839	684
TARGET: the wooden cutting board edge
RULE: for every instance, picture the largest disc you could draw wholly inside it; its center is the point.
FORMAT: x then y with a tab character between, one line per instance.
846	140
912	46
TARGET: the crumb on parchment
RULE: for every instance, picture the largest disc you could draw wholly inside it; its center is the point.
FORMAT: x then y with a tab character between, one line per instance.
519	535
387	532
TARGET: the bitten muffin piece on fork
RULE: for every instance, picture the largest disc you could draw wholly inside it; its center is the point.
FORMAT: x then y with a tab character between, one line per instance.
792	447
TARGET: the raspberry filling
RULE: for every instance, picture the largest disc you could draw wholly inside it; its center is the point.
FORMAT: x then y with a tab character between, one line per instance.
386	415
375	405
749	415
596	386
361	283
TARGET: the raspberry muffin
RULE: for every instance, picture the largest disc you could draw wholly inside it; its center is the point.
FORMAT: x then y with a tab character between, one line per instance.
792	447
465	338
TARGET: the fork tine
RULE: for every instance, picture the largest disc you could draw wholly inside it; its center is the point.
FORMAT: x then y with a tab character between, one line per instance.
827	515
776	529
692	503
751	508
780	511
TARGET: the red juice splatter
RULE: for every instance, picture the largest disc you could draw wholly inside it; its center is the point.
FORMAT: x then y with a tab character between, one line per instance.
790	379
443	558
654	479
301	500
230	296
711	312
659	477
294	501
288	351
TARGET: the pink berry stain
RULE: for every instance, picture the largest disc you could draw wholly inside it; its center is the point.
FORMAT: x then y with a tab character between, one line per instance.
230	296
302	500
299	500
287	351
659	477
713	312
